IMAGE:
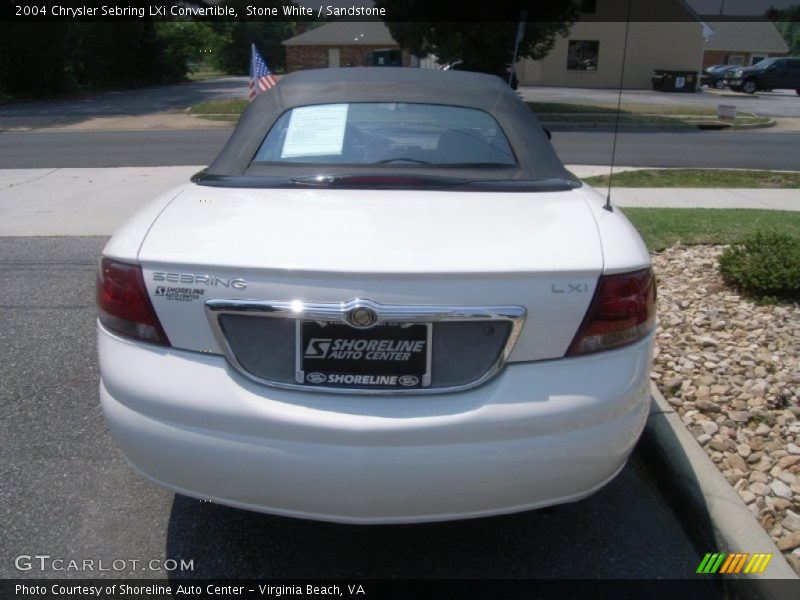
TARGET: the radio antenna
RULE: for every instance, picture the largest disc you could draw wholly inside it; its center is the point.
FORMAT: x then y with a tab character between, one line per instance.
619	109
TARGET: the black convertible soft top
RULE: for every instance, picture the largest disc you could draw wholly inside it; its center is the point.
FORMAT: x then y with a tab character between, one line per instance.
535	155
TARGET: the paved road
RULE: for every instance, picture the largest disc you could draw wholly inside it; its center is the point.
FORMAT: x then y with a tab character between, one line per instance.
133	102
66	491
779	103
762	149
111	148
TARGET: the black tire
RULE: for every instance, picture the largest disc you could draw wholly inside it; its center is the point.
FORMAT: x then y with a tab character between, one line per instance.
797	91
750	86
719	84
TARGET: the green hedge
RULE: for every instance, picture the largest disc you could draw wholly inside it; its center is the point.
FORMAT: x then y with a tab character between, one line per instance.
765	266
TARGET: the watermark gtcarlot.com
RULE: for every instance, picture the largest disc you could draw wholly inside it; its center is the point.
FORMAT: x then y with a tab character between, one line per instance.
48	563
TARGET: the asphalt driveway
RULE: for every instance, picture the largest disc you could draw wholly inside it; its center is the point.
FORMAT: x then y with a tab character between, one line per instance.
141	101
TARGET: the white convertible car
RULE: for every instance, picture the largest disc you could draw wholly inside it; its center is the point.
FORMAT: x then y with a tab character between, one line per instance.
386	301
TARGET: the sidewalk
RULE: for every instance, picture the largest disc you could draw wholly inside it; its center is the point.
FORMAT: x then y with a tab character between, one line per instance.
782	199
706	198
158	121
37	202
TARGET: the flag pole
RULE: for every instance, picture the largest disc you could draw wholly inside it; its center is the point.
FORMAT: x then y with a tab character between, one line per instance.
523	18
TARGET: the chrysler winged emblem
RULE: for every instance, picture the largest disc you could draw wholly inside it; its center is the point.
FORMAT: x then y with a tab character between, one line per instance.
362	317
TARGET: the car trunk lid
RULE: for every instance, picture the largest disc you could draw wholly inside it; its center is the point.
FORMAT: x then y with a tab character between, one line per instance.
540	251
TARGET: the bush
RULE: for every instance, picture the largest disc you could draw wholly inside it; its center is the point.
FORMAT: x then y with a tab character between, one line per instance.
765	266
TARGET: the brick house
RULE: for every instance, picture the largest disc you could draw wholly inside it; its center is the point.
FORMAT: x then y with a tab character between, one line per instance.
742	43
340	44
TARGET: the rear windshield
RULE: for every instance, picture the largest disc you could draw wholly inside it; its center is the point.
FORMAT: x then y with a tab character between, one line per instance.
386	134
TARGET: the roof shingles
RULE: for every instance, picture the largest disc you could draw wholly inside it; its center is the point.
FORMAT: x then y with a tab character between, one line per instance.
350	33
746	36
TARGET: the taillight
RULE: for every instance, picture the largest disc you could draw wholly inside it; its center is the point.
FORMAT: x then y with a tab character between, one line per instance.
123	304
622	311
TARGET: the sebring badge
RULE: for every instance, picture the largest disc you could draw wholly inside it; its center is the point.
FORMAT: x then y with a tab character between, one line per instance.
201	279
362	317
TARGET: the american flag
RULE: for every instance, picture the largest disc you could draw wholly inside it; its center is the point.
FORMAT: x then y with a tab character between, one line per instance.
261	78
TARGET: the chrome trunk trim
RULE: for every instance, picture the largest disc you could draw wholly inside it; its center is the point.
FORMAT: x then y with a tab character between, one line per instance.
339	312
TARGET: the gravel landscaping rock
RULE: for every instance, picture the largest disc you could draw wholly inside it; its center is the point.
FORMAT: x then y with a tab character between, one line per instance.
792	521
790	542
731	370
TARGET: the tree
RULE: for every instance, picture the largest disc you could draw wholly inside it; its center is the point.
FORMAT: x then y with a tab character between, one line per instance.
39	59
232	53
36	58
788	23
46	59
484	43
117	55
184	45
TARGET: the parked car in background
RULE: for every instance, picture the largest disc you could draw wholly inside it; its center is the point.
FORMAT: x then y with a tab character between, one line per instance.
715	76
780	73
385	301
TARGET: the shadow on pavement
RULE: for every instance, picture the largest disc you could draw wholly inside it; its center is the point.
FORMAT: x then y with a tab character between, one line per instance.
624	531
135	102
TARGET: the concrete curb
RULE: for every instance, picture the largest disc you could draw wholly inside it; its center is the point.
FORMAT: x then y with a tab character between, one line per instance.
705	501
690	126
771	123
728	93
628	127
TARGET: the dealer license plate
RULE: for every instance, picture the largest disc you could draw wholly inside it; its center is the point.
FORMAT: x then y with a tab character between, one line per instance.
387	356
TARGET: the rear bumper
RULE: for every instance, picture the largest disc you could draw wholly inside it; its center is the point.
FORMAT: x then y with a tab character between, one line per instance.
537	434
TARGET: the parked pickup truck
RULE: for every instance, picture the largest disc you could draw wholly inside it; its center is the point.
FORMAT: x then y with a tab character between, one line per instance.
768	74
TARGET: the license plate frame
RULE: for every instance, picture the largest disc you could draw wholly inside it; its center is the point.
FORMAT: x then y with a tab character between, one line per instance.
391	339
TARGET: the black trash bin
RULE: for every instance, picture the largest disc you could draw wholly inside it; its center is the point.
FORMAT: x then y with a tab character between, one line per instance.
674	81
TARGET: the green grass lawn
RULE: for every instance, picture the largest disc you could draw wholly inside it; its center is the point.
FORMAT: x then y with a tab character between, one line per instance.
220	107
663	227
700	178
630	109
647	115
609	120
229	118
202	74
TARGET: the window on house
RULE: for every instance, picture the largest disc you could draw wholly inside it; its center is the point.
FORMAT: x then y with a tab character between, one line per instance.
736	60
582	55
588	7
